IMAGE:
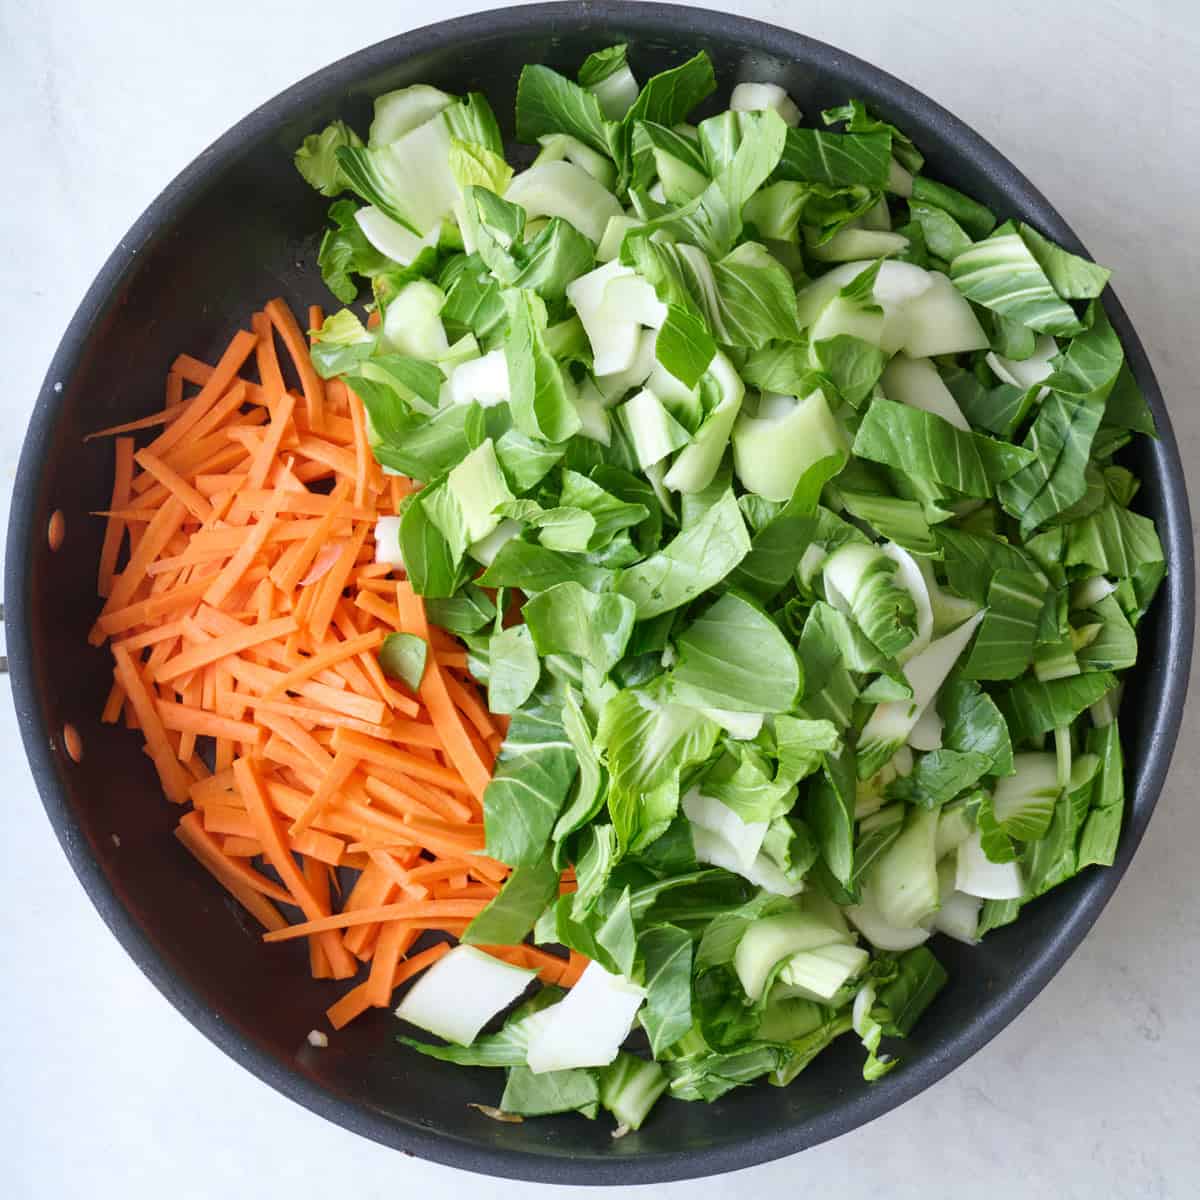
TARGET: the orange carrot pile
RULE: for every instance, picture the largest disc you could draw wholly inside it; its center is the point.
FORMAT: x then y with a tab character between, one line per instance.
244	609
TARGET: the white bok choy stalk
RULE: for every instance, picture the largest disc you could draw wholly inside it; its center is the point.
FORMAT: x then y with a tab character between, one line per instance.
585	1029
461	993
773	448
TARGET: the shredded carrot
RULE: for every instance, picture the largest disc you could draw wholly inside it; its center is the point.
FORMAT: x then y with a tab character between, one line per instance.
393	942
237	846
328	657
169	769
279	855
214	388
385	755
318	881
468	703
415	910
459	748
187	718
224	870
265	357
576	965
549	966
245	613
165	417
163	526
342	768
371	889
222	647
362	453
115	528
235	569
310	382
229	404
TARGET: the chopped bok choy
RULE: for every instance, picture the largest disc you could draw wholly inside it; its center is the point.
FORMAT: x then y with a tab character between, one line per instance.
771	487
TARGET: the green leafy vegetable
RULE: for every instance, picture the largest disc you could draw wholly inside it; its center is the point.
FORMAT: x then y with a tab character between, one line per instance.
530	1095
513	668
402	656
667	953
511	915
686	567
735	657
777	496
926	446
533	774
568	619
1002	274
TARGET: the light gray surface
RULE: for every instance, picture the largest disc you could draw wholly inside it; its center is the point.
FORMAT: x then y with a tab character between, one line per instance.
106	1091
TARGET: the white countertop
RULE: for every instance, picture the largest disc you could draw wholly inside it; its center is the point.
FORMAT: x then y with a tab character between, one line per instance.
1093	1092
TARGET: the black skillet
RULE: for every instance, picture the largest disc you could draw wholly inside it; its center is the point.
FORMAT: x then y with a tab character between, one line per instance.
239	226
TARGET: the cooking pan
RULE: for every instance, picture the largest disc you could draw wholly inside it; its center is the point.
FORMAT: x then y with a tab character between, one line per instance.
239	226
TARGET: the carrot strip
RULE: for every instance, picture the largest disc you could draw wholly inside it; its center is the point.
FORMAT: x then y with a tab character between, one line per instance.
394	940
235	569
114	529
337	459
292	733
323	659
153	636
237	822
468	837
388	613
332	584
352	1005
279	855
241	847
309	504
318	880
362	452
206	851
113	705
388	694
231	361
413	910
174	779
163	526
371	889
449	807
459	748
468	703
385	755
324	847
303	713
187	369
185	718
293	340
395	870
356	1001
224	646
281	415
145	611
344	765
397	800
549	966
265	357
164	417
218	415
576	965
189	697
